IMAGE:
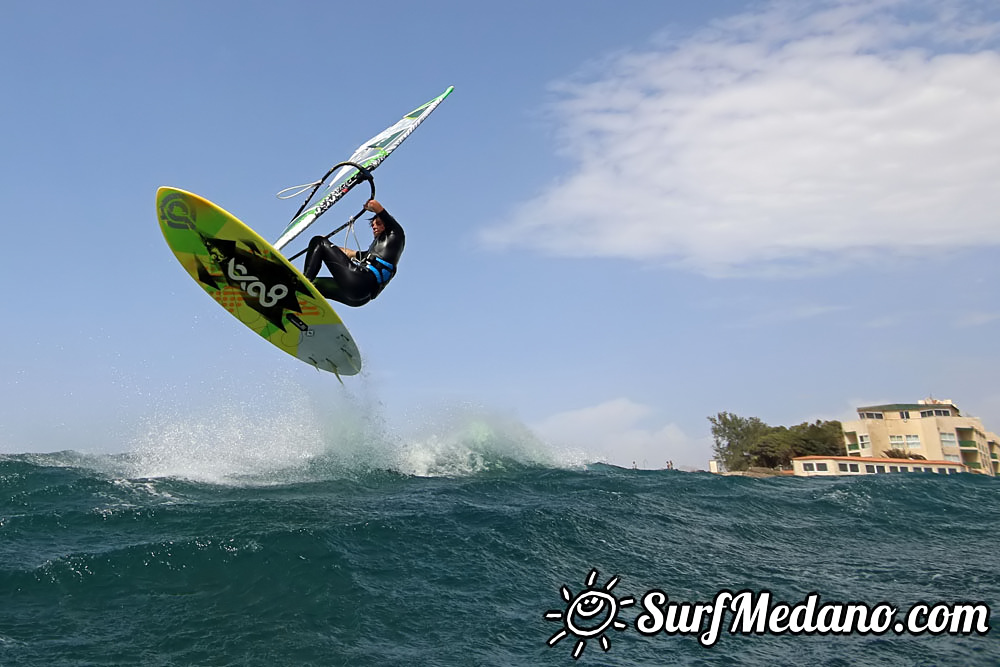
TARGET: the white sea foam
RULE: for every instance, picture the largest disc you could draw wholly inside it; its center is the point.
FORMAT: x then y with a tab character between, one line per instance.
232	437
466	440
290	435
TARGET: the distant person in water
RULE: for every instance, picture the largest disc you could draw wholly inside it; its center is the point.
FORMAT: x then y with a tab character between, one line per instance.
358	275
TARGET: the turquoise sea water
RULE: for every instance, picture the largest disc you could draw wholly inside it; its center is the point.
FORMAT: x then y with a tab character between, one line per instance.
199	548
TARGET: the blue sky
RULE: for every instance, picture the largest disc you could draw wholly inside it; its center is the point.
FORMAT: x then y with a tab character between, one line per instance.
626	218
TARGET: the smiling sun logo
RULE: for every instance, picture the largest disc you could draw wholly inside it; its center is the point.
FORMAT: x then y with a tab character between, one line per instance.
589	614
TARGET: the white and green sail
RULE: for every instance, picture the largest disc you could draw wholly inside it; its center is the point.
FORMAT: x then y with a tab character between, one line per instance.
369	155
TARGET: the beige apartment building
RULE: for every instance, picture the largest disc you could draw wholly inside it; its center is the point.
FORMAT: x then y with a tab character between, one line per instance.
932	428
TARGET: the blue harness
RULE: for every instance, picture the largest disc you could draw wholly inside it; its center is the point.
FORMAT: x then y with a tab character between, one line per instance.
384	273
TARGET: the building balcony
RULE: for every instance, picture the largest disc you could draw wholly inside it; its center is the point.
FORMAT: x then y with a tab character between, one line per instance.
968	444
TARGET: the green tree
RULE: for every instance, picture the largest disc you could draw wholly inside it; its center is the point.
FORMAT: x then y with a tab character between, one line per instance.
743	442
822	438
735	438
775	448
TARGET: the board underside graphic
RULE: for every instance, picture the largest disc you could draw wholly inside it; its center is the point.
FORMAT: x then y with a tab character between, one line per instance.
245	275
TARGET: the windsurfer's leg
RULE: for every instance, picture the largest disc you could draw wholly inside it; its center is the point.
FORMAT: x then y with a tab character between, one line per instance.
320	252
331	289
349	285
354	284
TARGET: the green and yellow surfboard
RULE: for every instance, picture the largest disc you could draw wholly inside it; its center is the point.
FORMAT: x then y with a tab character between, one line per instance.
245	275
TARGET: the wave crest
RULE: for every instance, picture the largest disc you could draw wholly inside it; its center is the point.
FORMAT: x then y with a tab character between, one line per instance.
297	439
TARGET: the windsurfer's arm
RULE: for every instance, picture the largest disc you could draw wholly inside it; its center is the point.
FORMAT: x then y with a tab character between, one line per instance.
387	219
380	212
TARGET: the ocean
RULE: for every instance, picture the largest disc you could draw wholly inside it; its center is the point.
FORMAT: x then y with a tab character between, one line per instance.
225	542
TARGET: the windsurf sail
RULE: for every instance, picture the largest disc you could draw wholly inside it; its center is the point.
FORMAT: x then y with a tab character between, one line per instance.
369	155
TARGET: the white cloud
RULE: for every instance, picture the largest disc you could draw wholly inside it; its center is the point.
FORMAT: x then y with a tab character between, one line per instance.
617	430
800	135
788	315
976	319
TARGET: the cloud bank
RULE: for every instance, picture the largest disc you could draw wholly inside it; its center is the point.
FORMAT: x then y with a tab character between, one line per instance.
793	136
619	431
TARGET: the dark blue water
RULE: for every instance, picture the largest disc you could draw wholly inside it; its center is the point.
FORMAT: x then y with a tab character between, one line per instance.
453	555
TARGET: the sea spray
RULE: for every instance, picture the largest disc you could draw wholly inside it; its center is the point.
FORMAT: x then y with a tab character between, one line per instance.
293	435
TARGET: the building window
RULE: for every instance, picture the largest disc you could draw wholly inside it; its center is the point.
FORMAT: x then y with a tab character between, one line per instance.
808	467
904	414
869	468
821	467
880	468
893	468
913	442
854	467
943	471
952	457
871	415
949	439
842	467
865	441
896	442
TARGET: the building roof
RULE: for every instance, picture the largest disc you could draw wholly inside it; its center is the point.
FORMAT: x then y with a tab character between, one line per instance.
872	459
891	407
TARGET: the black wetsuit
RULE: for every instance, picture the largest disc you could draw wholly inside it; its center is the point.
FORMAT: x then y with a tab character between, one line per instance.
358	281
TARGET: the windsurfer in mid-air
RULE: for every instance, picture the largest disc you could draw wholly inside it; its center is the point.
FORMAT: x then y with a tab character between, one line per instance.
358	275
